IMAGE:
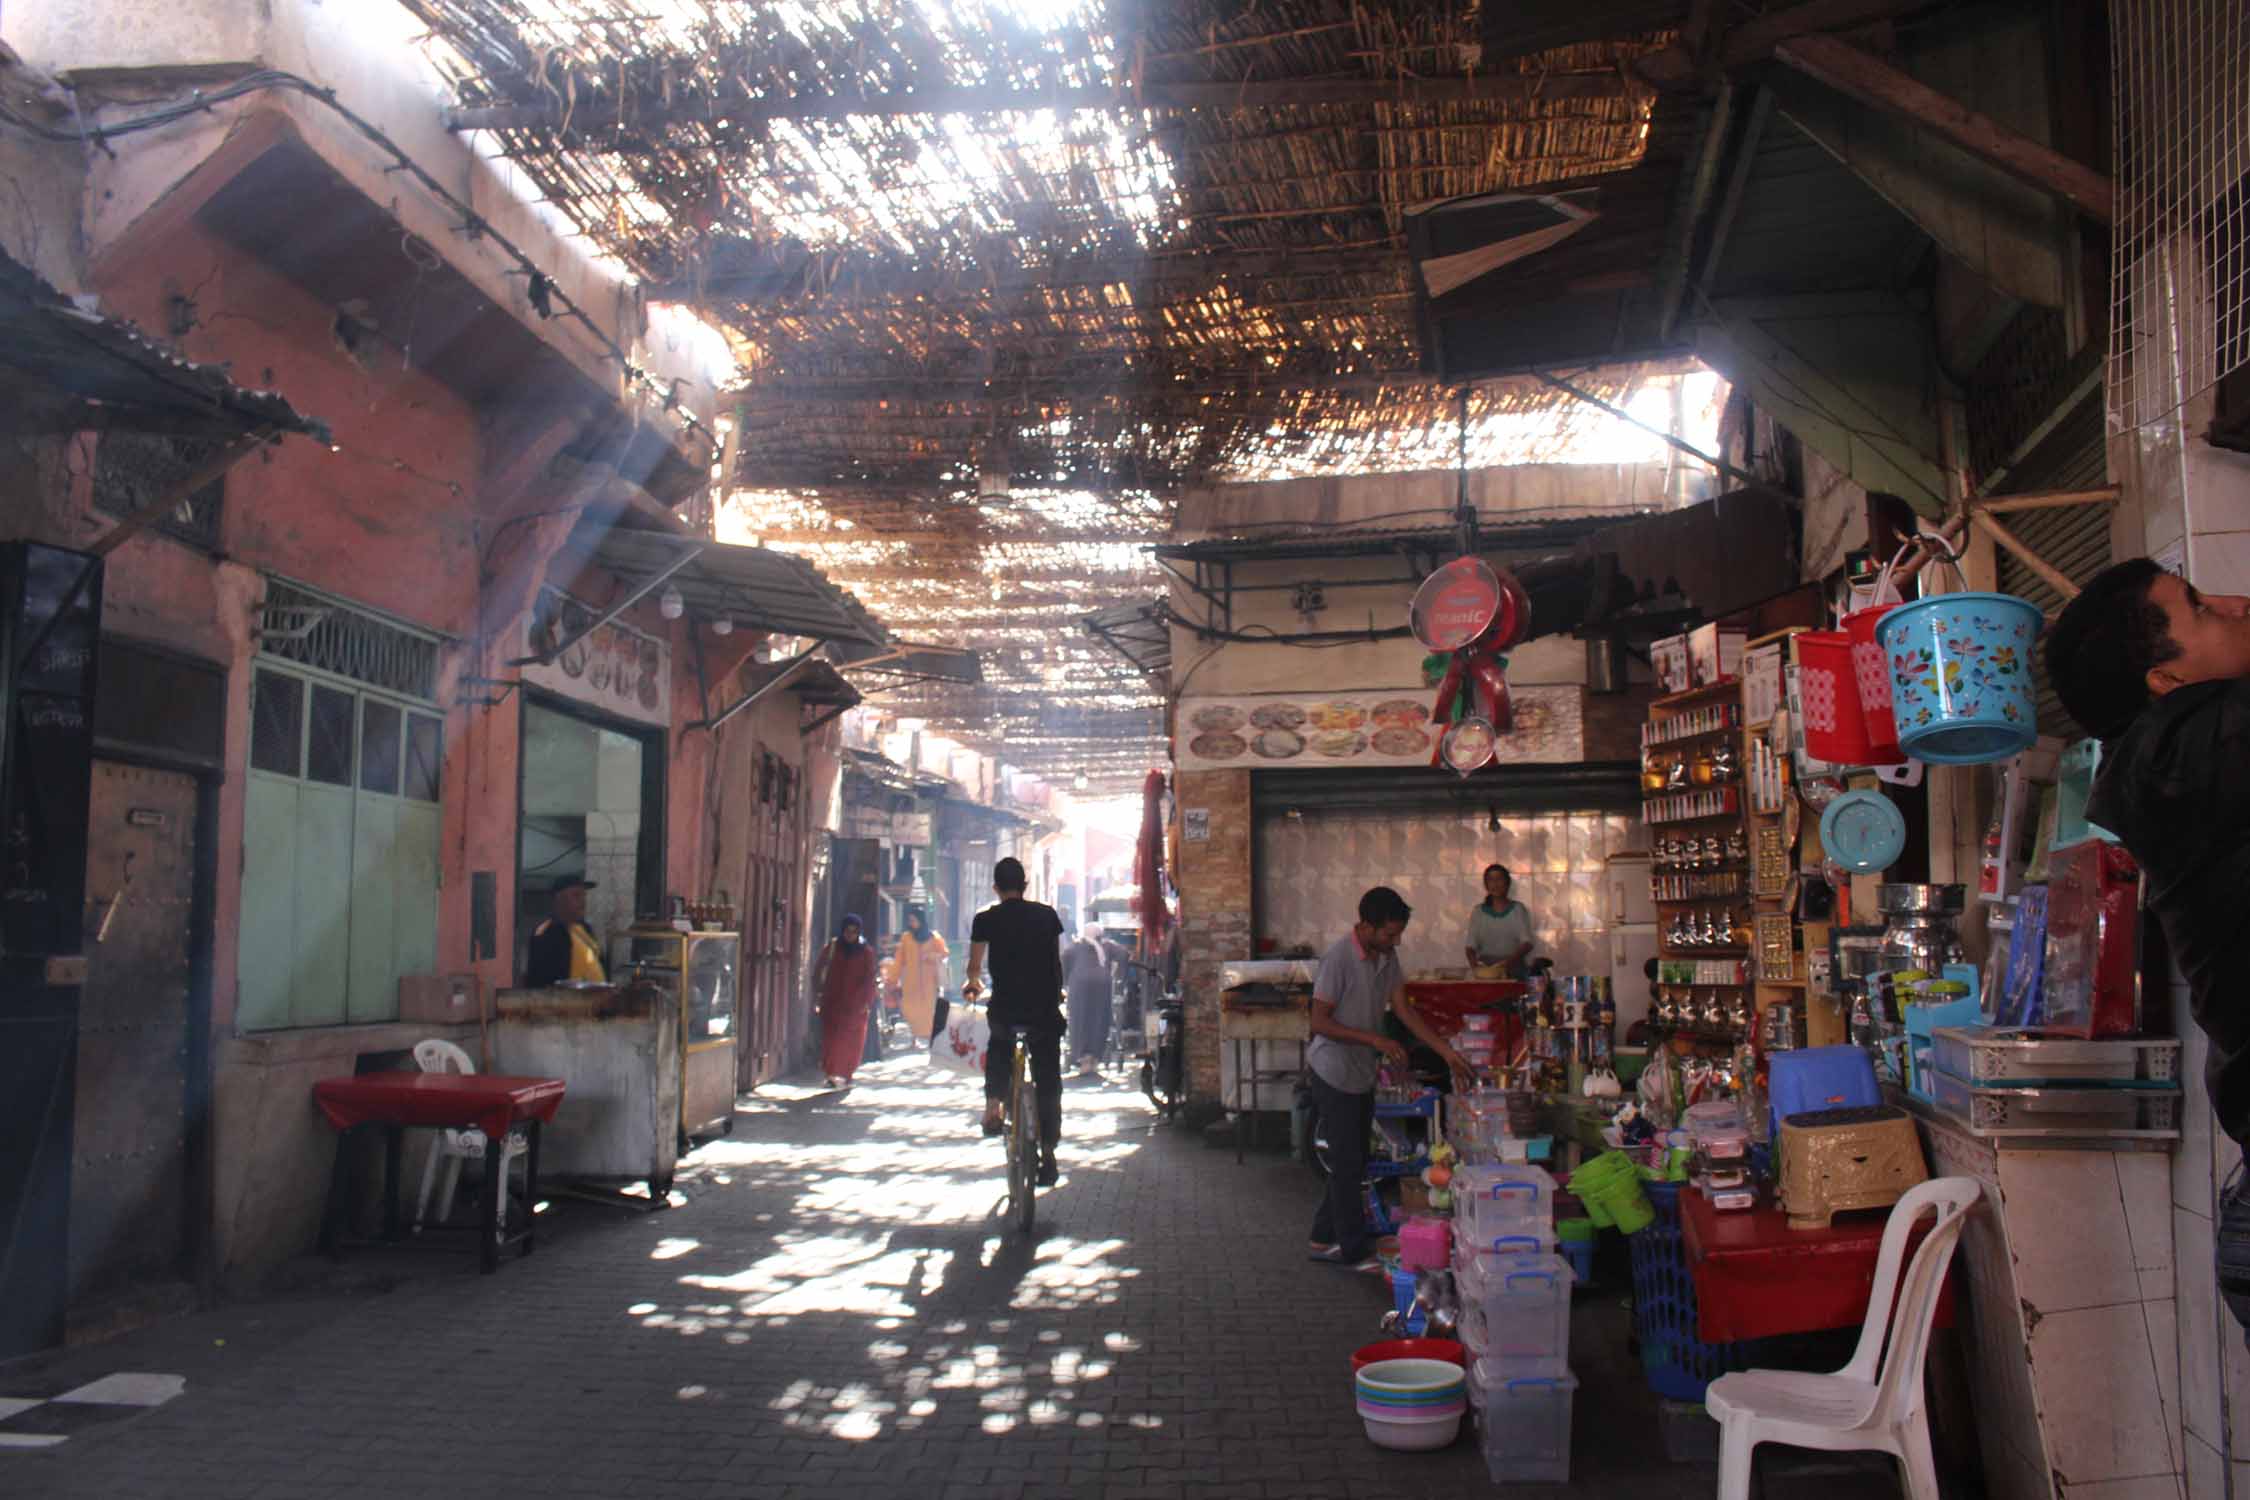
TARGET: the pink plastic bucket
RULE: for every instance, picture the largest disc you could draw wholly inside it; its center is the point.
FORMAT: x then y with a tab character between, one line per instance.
1871	677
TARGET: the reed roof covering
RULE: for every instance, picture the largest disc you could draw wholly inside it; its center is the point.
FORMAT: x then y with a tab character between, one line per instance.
975	256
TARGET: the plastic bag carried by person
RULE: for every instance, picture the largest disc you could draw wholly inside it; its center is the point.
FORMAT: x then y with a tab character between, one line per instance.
958	1038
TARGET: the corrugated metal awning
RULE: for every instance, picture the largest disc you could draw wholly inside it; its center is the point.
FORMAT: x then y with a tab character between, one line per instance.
755	588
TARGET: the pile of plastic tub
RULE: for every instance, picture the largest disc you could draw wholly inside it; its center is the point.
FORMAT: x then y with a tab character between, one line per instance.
1411	1404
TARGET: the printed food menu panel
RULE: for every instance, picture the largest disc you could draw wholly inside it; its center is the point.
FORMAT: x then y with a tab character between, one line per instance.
1281	731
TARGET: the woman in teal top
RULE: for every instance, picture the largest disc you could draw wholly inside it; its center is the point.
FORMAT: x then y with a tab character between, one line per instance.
1500	929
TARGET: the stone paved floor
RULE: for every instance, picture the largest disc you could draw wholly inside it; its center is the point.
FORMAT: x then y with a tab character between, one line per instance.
837	1311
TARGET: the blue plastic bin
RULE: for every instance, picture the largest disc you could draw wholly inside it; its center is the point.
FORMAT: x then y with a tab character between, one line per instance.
1678	1364
1816	1078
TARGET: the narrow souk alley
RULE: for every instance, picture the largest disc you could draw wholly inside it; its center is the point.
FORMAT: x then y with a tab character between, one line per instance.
835	1309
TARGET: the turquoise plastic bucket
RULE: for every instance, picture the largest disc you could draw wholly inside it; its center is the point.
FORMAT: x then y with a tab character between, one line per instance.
1961	688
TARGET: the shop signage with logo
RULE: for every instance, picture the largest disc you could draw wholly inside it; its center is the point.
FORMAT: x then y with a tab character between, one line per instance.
617	669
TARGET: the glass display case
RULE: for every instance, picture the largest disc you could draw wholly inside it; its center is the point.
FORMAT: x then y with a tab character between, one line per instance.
701	970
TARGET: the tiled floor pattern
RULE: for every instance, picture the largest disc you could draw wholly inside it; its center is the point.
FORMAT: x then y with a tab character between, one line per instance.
31	1418
838	1311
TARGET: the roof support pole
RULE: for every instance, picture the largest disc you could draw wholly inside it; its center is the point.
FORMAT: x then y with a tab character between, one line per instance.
1719	465
788	674
207	472
655	581
1867	78
2049	574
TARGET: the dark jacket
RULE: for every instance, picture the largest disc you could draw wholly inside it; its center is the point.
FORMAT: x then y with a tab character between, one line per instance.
2174	787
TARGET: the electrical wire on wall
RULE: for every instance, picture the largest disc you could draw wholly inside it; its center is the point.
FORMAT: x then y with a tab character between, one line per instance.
541	290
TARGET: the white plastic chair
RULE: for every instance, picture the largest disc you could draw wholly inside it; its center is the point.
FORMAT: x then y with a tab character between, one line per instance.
453	1147
1875	1402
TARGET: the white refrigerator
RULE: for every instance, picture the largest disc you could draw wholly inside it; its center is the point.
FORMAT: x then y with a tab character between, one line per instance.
1632	936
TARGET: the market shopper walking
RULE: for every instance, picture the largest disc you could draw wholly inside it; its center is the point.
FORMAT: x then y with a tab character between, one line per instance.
1358	980
845	983
1023	941
919	967
1086	977
2160	672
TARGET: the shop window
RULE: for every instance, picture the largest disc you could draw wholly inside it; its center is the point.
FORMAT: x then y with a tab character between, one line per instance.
340	850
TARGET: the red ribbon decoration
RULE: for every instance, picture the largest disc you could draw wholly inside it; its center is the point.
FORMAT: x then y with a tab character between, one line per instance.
1476	613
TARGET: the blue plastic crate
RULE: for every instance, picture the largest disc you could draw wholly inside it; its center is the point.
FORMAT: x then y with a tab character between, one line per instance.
1412	1321
1678	1364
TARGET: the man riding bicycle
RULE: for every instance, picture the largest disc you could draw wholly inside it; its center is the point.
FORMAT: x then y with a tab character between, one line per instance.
1024	940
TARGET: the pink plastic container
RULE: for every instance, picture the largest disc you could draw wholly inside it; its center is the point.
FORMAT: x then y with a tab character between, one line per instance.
1425	1243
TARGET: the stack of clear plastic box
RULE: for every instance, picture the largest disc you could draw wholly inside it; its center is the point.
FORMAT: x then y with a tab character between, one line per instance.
1515	1320
1720	1165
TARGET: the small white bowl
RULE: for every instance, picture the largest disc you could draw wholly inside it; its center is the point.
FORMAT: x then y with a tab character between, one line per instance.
1409	1374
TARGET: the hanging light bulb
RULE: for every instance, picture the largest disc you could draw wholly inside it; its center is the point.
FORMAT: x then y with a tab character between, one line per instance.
670	604
1081	781
722	626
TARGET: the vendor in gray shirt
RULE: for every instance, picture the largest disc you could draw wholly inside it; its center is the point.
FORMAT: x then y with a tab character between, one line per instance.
1358	980
1500	929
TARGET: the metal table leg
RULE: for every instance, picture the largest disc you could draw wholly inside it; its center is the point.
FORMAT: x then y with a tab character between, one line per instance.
495	1224
394	1146
1242	1117
530	1184
332	1221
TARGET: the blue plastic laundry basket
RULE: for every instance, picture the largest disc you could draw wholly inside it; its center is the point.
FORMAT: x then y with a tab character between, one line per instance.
1679	1365
1961	676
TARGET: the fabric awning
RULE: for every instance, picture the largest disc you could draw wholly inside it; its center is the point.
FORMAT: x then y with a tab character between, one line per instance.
756	588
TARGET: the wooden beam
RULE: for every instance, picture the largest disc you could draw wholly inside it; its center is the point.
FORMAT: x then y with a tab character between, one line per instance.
1751	42
744	112
1680	251
824	276
2048	501
1862	76
2048	573
204	473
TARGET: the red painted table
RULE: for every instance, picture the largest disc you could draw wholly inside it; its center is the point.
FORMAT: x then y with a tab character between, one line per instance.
1755	1277
494	1104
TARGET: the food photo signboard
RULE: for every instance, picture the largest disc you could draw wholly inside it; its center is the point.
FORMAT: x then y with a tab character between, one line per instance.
1283	731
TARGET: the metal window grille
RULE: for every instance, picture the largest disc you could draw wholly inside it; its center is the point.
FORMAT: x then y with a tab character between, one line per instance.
316	631
134	470
2179	264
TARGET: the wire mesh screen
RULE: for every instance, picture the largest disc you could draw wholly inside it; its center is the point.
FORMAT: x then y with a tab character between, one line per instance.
277	724
2179	263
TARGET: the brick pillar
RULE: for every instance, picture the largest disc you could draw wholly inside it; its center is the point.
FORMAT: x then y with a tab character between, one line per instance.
1214	882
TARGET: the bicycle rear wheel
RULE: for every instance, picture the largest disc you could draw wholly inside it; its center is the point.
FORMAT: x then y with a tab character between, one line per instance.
1023	1155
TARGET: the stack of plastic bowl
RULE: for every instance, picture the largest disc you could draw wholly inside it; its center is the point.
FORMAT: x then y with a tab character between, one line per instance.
1610	1187
1412	1404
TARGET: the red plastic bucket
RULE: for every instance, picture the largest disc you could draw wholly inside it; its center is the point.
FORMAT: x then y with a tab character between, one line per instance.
1445	1349
1835	727
1871	677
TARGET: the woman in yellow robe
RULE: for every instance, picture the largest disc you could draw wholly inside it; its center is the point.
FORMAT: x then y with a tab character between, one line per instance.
919	967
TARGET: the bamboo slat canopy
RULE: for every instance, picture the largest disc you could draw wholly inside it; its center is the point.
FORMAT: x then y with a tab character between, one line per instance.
1002	276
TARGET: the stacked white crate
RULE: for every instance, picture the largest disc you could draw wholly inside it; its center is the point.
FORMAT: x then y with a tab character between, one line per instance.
1515	1320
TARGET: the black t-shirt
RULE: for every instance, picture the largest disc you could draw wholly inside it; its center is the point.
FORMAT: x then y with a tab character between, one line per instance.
2175	789
1023	951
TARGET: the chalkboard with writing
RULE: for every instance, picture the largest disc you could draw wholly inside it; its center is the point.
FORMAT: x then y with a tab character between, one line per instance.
50	617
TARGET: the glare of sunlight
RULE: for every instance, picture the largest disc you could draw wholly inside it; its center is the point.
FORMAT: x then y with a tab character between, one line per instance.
672	1249
692	1392
641	1309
